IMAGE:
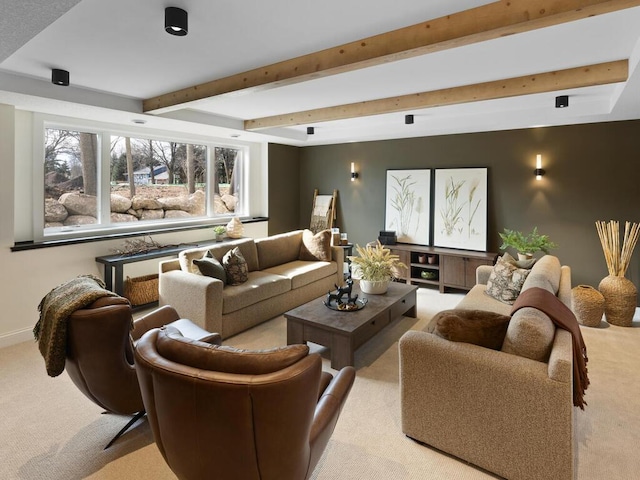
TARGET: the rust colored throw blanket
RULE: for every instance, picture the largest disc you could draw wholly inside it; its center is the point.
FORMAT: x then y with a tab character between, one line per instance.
564	318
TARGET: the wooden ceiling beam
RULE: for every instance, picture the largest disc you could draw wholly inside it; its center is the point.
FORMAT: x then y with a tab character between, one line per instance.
486	22
585	76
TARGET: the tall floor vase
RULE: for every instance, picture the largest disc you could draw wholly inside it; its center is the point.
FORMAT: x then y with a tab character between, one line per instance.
620	300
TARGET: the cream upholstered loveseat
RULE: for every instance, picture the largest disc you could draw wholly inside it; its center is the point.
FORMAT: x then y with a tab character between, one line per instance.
278	281
510	411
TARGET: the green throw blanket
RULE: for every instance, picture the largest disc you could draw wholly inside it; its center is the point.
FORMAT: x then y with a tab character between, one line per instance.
55	308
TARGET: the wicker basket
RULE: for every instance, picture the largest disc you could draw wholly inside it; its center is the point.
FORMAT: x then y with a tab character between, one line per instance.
141	290
588	305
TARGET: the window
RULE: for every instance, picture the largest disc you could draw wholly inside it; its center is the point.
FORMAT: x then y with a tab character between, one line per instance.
117	182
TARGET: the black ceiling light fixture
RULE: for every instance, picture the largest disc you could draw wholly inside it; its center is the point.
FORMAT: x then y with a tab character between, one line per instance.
562	101
60	77
311	130
408	119
175	21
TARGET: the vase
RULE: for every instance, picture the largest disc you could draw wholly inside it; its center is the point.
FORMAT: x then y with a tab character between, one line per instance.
588	305
524	256
235	229
620	300
374	288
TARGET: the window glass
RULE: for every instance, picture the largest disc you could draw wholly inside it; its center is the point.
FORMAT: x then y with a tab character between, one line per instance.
106	181
71	183
156	180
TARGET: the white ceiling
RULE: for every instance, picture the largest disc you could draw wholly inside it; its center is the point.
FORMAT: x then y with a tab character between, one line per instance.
118	54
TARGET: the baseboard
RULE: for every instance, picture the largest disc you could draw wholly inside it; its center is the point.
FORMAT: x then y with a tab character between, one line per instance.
18	336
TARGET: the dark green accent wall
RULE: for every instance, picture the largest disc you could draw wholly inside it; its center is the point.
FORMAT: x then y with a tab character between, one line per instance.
284	188
593	173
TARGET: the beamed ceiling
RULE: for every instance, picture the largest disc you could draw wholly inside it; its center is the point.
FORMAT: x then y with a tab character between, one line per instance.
265	71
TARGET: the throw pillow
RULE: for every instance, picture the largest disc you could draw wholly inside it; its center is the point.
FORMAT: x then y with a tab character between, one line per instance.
177	348
479	327
528	263
211	267
235	267
505	281
315	247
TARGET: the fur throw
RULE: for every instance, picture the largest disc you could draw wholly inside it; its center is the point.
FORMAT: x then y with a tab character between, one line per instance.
479	327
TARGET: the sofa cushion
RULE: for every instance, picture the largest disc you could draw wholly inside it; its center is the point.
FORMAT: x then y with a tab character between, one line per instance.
186	258
477	299
479	327
247	247
211	267
506	281
545	274
316	247
235	267
303	273
278	249
259	286
193	353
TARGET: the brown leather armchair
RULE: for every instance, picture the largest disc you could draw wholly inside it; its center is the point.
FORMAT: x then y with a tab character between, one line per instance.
99	352
219	412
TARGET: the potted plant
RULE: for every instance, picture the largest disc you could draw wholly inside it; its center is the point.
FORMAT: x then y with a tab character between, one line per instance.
219	230
375	267
526	244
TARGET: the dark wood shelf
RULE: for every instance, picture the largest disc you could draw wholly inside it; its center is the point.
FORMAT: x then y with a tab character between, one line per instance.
456	268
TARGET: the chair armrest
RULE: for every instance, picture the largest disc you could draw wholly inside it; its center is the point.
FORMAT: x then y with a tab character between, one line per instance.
564	289
483	272
156	319
327	412
196	297
337	255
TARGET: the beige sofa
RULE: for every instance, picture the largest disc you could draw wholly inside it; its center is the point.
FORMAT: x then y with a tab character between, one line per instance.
277	282
510	411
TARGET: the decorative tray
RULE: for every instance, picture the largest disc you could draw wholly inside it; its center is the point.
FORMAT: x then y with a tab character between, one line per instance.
346	307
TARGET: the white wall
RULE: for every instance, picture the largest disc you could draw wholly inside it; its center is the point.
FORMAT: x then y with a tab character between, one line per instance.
27	276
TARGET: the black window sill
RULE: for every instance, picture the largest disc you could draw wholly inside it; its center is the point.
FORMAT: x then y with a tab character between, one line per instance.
31	245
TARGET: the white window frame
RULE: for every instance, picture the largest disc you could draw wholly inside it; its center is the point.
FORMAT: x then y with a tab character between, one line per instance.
104	132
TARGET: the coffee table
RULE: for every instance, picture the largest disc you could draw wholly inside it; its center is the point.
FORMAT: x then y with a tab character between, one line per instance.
344	332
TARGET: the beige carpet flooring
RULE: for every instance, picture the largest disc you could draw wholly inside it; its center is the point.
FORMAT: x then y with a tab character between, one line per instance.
48	430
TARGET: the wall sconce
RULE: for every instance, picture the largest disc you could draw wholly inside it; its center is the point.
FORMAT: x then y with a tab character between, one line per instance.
539	172
354	174
175	21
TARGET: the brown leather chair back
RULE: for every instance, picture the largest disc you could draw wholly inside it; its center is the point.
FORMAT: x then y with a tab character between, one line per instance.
100	355
234	424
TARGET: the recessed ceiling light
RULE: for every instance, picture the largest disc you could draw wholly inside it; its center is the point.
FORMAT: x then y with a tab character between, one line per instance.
562	101
235	135
139	121
175	21
60	77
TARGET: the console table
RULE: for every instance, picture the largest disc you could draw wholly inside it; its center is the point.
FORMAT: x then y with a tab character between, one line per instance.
114	264
447	267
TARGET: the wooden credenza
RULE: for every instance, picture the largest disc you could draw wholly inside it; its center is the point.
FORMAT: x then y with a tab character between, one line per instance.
445	267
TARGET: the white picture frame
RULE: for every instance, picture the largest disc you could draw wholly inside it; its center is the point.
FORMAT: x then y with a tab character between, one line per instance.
408	205
460	208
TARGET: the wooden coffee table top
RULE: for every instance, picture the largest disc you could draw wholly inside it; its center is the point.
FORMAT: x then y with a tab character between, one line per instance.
316	313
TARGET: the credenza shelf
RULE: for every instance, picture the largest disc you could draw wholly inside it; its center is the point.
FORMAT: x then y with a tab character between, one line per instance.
451	268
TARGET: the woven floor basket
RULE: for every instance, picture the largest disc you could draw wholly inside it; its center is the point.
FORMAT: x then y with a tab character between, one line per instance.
141	290
620	300
587	304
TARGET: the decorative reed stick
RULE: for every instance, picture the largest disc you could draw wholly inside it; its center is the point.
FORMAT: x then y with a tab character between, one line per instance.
617	259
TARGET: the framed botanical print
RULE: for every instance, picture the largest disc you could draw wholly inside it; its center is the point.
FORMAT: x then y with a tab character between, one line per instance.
408	205
460	208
